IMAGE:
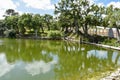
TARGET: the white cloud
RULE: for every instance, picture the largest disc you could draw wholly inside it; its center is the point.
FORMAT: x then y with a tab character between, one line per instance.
39	4
17	4
100	4
38	67
115	4
20	12
97	53
4	66
2	13
91	1
6	4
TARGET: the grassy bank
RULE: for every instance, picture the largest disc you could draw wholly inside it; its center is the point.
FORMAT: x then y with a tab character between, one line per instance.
56	34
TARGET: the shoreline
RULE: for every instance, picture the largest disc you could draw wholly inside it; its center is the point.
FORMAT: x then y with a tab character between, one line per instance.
96	44
69	39
104	46
115	75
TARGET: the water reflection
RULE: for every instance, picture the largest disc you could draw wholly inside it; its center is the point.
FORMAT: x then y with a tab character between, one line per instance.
65	60
116	58
38	67
4	66
99	54
1	42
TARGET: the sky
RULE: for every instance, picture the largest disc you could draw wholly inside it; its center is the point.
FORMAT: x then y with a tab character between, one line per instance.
41	6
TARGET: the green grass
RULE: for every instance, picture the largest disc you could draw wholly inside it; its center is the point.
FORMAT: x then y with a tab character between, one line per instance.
111	42
57	33
54	34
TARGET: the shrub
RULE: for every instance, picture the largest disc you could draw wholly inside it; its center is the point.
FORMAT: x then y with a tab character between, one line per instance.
54	35
10	33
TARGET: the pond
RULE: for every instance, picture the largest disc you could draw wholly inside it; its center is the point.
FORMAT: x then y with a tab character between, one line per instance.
54	60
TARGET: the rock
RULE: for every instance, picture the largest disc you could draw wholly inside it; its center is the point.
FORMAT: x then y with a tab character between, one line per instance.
113	76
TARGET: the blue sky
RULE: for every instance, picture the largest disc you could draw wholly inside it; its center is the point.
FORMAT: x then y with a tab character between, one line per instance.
41	6
26	6
105	2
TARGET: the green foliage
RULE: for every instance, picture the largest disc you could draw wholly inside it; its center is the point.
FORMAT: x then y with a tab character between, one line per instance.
26	20
54	35
30	21
48	20
111	42
55	25
10	33
10	12
37	21
2	25
78	13
73	15
115	17
12	22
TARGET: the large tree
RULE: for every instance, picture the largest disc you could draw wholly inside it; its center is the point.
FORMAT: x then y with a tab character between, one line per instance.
2	27
48	20
77	12
12	22
25	21
64	13
37	22
10	12
115	21
97	16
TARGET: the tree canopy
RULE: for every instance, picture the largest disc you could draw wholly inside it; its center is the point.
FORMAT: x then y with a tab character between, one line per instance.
72	16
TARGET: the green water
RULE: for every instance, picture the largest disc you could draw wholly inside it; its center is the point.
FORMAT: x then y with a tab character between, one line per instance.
54	60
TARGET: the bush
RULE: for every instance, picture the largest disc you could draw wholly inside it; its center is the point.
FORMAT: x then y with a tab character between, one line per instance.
10	33
54	35
111	42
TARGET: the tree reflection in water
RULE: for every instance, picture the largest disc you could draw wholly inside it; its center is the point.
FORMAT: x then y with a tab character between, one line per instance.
69	60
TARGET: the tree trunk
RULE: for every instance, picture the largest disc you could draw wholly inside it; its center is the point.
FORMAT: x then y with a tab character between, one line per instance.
77	29
66	30
42	29
48	27
36	33
118	34
76	26
95	30
85	28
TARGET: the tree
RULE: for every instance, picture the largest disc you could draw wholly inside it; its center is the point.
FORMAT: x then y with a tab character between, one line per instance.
64	14
10	12
11	19
11	25
97	18
25	21
12	22
2	27
22	23
37	22
31	21
64	22
76	12
115	21
48	20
